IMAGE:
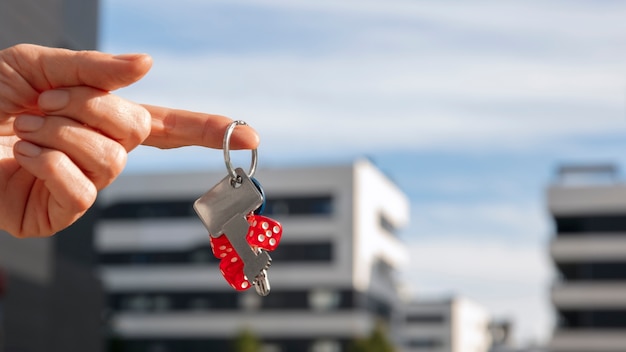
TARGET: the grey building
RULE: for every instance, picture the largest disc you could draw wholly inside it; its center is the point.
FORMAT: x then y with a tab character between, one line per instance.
50	299
71	24
588	206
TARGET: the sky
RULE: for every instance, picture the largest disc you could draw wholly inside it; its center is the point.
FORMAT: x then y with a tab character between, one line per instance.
469	107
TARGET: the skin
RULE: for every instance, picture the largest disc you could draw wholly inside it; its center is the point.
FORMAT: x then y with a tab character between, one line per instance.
64	136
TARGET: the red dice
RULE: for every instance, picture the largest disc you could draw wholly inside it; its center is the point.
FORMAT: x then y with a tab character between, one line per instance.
264	233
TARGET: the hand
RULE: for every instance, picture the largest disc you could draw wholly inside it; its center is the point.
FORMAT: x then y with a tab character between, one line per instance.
63	136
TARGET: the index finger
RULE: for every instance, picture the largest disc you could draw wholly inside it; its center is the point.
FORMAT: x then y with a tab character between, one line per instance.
172	128
47	68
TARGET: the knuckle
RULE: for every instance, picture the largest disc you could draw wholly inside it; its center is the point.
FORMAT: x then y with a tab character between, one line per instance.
84	199
114	162
140	127
93	104
51	162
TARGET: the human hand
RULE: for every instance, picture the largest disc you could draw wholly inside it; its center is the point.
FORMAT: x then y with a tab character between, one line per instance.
63	136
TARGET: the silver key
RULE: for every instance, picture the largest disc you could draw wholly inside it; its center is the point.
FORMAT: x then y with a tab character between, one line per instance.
223	210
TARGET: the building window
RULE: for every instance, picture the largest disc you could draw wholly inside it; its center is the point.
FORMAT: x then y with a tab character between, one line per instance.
286	252
173	301
387	225
377	306
605	271
324	300
137	303
423	318
161	303
271	347
158	347
573	225
426	343
156	257
285	300
319	299
202	256
303	205
593	319
148	209
250	301
303	252
199	304
325	346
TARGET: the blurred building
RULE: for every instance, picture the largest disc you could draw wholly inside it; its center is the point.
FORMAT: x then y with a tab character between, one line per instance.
69	24
332	276
50	299
449	325
588	207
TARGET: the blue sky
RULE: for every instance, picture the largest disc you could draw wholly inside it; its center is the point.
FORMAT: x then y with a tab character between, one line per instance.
469	106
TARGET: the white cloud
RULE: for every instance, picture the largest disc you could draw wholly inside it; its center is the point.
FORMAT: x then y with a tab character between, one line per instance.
334	104
512	282
452	75
506	220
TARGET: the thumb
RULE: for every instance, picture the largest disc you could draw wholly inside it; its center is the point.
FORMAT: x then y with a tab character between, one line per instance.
48	68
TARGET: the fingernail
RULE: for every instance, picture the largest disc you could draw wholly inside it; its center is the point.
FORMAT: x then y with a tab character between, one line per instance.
28	123
128	57
53	100
27	149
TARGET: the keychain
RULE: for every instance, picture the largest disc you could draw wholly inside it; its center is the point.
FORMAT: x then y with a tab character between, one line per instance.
240	236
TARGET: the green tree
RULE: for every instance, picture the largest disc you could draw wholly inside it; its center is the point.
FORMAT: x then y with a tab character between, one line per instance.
377	341
246	341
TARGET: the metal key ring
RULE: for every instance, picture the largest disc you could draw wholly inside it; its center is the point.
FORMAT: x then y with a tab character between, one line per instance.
225	146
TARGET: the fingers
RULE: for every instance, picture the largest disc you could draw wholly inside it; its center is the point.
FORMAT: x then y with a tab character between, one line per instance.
48	68
92	129
59	185
99	158
173	128
123	121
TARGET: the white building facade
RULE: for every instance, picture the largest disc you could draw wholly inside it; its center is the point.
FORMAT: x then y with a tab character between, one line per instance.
451	325
331	277
589	252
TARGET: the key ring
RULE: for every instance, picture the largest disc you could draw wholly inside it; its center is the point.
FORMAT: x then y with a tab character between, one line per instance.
225	146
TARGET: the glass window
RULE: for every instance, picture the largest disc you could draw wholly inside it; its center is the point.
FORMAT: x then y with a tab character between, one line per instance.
573	225
302	205
605	271
303	252
425	343
286	252
162	303
250	300
199	304
158	347
167	208
324	300
202	256
326	346
139	303
146	209
425	318
593	319
387	225
271	347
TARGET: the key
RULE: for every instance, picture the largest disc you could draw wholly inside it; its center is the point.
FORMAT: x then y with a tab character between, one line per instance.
240	236
223	211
